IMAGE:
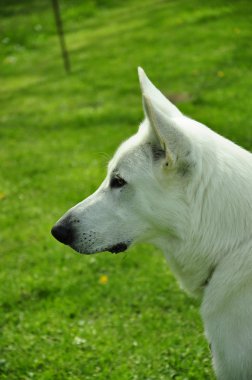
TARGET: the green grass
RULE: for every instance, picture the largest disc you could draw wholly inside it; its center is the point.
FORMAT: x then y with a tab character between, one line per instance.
57	132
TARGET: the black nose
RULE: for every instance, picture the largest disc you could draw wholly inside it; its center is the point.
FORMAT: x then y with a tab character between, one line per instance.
62	233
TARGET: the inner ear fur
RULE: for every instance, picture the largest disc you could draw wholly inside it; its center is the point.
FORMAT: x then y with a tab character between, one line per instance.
157	152
152	116
171	139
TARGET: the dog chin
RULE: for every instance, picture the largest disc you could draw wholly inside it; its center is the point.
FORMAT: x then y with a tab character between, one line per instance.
117	248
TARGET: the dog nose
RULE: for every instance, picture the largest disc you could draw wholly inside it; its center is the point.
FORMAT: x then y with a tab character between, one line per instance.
62	233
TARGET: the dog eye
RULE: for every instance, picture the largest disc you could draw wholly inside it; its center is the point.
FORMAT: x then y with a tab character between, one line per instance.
117	182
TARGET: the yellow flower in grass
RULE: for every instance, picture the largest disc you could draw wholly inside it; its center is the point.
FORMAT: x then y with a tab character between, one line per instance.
220	74
103	280
2	195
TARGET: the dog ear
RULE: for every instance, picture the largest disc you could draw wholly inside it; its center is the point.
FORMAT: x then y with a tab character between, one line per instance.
152	92
168	132
164	118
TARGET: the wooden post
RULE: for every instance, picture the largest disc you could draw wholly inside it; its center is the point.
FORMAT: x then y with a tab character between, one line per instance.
60	31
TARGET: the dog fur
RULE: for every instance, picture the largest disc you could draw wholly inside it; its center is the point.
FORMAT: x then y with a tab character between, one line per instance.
187	190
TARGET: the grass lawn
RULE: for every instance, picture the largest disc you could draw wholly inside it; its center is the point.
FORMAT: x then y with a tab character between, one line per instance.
65	316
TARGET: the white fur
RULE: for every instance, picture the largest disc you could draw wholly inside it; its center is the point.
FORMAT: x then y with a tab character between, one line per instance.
198	210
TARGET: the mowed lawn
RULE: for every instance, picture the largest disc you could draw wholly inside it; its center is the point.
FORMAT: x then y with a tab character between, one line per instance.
66	316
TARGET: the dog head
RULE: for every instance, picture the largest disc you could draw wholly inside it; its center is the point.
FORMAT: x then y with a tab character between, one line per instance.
145	193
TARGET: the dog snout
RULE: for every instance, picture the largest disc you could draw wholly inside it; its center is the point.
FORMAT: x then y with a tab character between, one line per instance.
63	232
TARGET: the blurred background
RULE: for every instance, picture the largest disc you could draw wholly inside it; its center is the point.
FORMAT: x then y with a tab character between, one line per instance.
123	317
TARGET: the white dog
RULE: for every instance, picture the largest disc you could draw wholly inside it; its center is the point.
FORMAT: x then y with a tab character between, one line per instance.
187	190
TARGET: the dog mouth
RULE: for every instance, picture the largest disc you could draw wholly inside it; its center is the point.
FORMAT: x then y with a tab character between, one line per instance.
120	247
117	248
64	234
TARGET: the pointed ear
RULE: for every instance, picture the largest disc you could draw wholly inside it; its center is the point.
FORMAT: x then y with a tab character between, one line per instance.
168	131
152	92
164	120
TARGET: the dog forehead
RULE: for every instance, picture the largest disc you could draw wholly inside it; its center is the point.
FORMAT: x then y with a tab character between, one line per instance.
129	153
